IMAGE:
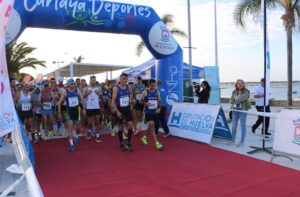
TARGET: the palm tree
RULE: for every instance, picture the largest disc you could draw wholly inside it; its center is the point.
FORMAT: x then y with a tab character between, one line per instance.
78	59
16	55
168	20
290	16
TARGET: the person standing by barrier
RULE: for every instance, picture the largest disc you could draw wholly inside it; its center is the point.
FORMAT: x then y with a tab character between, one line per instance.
259	95
239	101
152	101
204	93
122	104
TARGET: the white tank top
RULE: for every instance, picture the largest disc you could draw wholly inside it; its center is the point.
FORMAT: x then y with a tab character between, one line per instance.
92	100
25	102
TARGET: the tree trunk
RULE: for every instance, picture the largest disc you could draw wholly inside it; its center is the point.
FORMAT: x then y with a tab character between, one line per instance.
289	66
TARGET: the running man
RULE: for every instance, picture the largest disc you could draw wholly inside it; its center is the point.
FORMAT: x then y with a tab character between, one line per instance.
47	101
122	104
138	107
93	112
73	98
152	100
107	93
24	102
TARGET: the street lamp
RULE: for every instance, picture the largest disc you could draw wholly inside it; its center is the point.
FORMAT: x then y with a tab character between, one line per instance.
57	71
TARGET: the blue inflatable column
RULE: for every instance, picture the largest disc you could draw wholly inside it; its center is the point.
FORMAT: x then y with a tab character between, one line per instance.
169	74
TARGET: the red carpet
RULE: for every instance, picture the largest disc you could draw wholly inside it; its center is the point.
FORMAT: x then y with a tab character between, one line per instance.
183	168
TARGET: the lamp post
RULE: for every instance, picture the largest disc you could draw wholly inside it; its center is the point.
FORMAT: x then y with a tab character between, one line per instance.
57	71
216	34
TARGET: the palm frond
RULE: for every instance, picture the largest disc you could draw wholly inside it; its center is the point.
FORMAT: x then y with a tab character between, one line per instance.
139	48
178	32
167	19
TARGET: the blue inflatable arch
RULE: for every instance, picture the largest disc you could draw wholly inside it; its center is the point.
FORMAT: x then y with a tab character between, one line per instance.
111	17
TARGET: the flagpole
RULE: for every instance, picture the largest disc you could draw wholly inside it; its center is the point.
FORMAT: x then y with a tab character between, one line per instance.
190	51
216	34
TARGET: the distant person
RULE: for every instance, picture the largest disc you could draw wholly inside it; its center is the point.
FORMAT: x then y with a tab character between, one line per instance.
259	95
203	92
239	101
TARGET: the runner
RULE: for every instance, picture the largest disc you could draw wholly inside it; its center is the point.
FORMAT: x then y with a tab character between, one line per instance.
107	93
46	100
73	97
55	92
151	99
122	100
138	107
37	110
24	103
92	94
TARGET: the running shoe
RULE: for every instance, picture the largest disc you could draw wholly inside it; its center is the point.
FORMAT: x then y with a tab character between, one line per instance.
88	136
98	140
144	140
158	145
77	141
129	147
71	148
113	133
122	147
124	136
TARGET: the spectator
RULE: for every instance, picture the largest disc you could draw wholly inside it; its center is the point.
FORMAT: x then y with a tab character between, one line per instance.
239	101
259	95
204	92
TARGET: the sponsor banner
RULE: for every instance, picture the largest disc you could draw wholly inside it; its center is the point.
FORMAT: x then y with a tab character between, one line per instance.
193	121
8	117
212	77
221	128
287	132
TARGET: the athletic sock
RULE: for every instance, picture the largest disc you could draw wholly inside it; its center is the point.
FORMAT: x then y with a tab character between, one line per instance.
71	142
120	134
129	134
97	135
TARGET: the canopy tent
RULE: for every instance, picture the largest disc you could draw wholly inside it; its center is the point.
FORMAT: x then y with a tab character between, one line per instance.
83	69
147	70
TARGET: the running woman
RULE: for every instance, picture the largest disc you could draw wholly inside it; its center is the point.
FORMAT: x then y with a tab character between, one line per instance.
138	107
122	103
152	100
47	101
24	102
73	98
92	94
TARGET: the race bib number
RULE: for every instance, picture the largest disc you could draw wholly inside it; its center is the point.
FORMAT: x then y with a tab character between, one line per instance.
26	106
138	97
124	101
92	99
152	104
47	106
73	101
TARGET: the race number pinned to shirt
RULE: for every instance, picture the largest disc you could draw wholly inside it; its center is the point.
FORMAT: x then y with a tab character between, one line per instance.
73	101
138	97
152	104
92	99
124	101
47	106
26	106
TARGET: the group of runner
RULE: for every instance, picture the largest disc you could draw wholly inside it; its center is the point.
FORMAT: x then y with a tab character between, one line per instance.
80	108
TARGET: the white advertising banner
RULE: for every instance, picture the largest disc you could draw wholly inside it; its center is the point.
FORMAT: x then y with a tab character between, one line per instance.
193	121
8	117
287	132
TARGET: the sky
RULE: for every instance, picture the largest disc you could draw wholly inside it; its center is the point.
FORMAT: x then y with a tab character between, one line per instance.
240	50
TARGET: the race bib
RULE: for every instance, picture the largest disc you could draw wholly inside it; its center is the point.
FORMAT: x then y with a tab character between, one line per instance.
92	99
38	110
152	104
47	106
73	101
124	101
26	106
138	97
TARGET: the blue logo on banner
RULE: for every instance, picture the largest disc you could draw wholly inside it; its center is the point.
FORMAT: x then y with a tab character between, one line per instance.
221	128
